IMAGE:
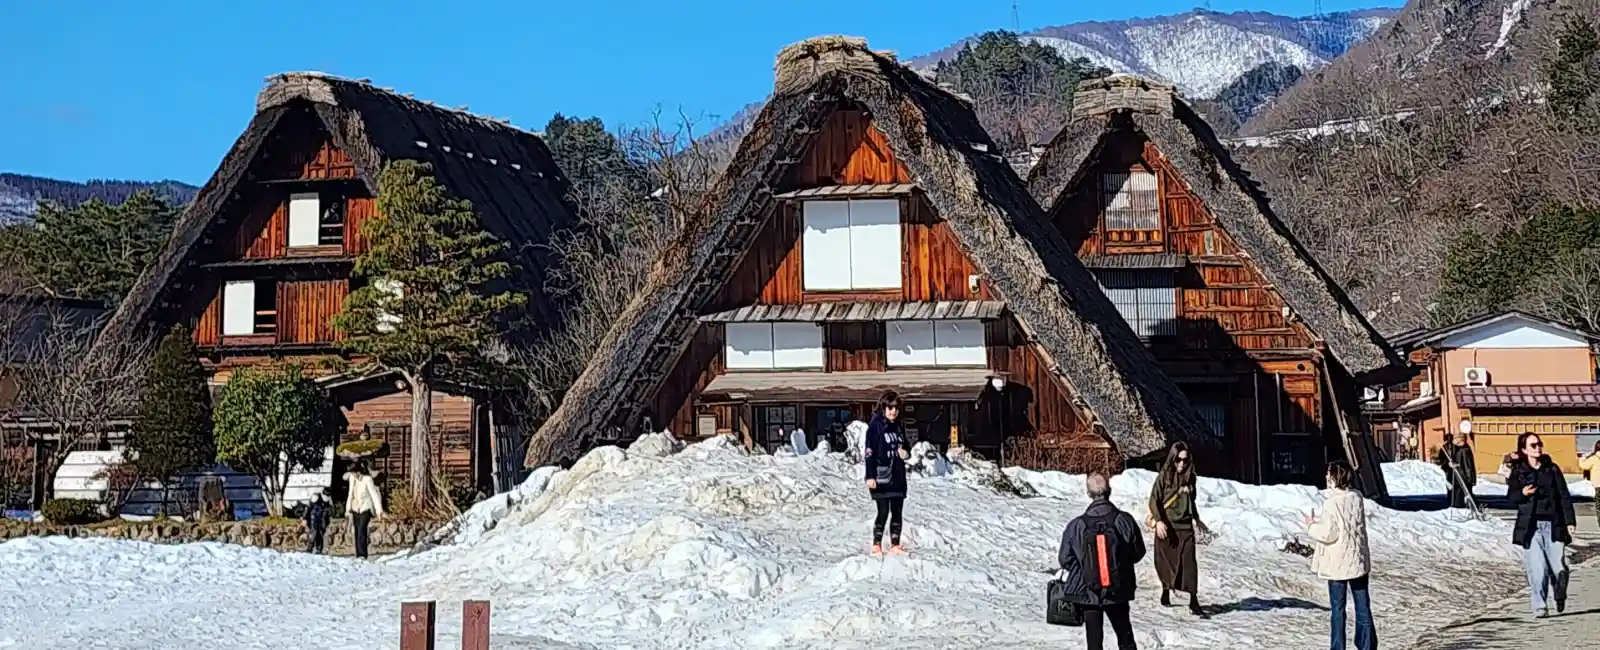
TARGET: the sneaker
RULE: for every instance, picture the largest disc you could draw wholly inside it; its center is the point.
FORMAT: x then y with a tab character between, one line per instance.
877	550
897	550
1541	614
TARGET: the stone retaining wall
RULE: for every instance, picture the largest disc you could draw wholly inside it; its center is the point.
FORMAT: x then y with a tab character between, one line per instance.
387	536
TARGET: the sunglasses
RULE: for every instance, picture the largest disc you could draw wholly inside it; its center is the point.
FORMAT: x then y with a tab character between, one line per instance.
1182	460
1536	445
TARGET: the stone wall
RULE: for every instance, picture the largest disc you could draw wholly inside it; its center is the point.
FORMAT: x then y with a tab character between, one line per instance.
387	536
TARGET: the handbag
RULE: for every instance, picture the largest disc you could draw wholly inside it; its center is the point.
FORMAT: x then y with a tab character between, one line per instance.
1059	610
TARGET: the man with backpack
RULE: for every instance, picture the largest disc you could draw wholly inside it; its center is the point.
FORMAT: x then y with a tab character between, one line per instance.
1098	551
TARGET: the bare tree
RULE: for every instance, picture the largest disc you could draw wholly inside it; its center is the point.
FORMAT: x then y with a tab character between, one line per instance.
71	388
1571	294
627	224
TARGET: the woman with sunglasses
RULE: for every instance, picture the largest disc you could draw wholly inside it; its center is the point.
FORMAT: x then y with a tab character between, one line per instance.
1545	521
1173	515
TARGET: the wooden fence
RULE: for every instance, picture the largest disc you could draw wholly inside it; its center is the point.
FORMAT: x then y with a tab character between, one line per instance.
417	625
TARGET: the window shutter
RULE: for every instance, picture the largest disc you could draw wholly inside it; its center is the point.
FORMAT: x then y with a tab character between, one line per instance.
797	345
305	216
825	245
960	343
875	256
909	343
747	346
239	308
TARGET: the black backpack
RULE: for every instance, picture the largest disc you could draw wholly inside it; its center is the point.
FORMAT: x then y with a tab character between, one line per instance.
1102	569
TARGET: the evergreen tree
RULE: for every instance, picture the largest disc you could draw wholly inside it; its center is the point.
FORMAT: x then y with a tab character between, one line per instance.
1574	72
172	433
94	250
428	306
270	421
1021	90
1482	274
587	153
1257	87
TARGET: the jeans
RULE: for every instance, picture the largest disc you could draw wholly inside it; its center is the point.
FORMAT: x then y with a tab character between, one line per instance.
1366	634
1543	559
888	509
361	520
1094	626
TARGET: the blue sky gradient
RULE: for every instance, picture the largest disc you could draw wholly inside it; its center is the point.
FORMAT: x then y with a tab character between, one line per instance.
160	89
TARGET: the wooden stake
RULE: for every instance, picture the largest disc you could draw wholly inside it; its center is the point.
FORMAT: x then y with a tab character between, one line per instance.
416	626
475	625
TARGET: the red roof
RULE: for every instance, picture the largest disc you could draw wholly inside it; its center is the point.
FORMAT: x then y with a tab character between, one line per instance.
1529	396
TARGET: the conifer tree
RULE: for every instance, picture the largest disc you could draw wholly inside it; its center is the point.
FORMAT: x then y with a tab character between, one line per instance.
428	305
172	433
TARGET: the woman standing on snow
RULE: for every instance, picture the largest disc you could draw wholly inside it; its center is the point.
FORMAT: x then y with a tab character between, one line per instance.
1173	513
361	503
885	456
1545	521
1342	557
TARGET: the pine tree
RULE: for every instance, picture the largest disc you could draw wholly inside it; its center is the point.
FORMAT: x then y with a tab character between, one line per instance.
589	154
428	305
172	433
93	250
1574	72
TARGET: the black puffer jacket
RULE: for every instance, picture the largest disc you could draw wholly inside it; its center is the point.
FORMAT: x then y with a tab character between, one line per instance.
1076	551
1551	485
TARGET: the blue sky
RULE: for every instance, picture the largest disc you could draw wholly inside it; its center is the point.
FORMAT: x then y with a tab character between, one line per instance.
160	88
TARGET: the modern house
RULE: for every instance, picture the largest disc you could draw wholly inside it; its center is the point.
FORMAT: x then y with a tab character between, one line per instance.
1506	373
262	259
867	236
1259	337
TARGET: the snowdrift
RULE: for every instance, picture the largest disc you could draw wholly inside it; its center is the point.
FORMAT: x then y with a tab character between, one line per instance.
710	546
1418	478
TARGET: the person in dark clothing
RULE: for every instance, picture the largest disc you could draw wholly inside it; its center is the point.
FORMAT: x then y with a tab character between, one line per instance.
1091	564
316	521
886	471
1460	469
1545	521
1174	517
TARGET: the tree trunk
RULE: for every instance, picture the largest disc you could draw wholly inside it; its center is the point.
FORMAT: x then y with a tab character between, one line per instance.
421	467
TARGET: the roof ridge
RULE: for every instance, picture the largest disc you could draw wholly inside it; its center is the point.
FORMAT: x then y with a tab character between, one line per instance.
317	86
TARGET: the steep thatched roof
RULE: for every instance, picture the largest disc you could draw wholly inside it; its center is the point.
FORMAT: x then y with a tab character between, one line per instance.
507	173
1239	205
957	166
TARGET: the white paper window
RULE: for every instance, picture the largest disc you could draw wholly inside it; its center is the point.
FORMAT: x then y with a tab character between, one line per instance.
851	245
765	346
239	308
305	219
959	343
1147	300
1132	201
909	343
386	320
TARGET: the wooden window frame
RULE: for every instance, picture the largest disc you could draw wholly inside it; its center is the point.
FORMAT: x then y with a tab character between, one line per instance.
854	290
1130	237
1170	330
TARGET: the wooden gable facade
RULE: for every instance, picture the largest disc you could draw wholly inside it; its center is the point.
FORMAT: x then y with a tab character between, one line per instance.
861	240
1239	317
938	291
263	259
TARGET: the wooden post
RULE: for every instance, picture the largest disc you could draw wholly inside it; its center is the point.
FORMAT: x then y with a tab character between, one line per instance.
416	626
475	625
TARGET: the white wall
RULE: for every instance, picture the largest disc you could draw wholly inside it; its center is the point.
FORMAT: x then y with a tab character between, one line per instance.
76	480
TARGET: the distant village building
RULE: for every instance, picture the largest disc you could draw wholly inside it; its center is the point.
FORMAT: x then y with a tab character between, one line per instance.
1263	342
868	236
1505	372
262	259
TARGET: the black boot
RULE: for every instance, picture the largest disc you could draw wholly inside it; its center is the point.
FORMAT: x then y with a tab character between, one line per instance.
1561	589
1194	606
1166	598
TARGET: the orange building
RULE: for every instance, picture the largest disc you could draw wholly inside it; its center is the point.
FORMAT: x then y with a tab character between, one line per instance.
1507	373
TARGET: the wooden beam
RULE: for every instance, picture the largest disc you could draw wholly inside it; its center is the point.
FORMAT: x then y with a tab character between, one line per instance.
416	626
475	625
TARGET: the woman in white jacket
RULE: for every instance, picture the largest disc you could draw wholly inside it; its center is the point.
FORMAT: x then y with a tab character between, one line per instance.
1342	557
361	503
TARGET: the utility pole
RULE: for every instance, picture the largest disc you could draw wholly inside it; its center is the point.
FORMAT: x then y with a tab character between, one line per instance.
1016	22
1317	11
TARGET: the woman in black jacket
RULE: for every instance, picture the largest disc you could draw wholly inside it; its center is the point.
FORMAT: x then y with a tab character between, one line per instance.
1545	520
886	471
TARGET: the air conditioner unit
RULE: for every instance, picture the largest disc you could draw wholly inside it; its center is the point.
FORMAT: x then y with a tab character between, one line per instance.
1477	376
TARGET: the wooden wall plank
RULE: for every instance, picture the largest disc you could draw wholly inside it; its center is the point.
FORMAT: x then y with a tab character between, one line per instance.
854	346
357	210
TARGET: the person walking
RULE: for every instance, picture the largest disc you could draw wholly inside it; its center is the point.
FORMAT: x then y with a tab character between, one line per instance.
1590	465
1341	555
362	503
316	522
885	456
1545	521
1175	518
1460	469
1098	551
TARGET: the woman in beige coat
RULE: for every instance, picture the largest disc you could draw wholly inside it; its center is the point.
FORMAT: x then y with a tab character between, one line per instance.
1342	557
361	503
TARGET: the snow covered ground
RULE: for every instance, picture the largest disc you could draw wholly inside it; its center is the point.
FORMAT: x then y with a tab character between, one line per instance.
710	547
1415	478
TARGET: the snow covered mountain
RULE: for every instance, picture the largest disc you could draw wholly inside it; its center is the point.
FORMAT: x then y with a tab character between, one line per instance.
1202	51
20	194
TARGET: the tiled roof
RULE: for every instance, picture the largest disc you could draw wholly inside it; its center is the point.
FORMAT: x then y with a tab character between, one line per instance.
1529	396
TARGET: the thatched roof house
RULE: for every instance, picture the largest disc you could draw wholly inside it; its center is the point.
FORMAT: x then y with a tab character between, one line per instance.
1103	106
951	161
507	173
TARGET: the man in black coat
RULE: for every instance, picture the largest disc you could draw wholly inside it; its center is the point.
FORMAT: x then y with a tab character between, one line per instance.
1098	551
1460	469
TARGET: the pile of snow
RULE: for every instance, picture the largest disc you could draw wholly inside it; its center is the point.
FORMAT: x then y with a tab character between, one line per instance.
1418	478
711	546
